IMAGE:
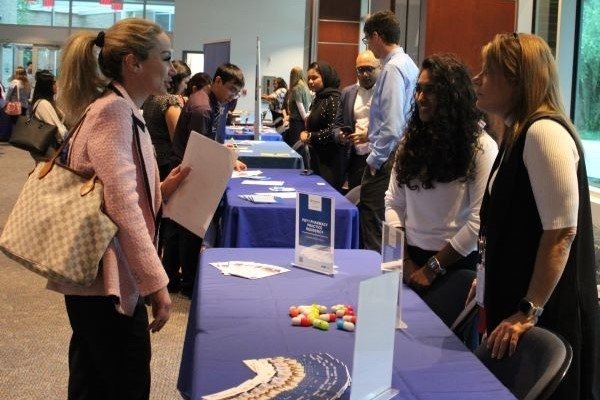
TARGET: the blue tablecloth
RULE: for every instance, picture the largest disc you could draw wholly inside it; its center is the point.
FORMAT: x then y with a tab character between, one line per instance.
248	134
232	319
261	154
246	224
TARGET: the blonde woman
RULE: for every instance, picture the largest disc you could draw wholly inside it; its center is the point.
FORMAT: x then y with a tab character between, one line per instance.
536	228
109	353
299	100
19	89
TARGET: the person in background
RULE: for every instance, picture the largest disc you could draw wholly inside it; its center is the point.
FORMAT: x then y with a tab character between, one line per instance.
353	115
276	98
29	69
161	114
31	75
536	228
43	106
200	80
19	89
109	352
299	100
390	105
5	122
180	81
327	156
436	199
205	113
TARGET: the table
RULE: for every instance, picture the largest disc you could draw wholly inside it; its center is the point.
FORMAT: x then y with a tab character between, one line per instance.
232	319
248	134
262	154
246	224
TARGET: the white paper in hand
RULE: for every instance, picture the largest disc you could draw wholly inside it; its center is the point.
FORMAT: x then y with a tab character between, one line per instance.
195	201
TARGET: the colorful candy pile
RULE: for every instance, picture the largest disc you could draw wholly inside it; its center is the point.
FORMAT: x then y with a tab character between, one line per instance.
318	316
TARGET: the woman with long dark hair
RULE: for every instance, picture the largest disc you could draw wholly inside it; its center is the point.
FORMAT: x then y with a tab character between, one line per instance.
43	102
43	107
161	114
441	167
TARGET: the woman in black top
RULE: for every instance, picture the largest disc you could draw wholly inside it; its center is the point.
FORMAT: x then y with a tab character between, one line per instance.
326	154
536	238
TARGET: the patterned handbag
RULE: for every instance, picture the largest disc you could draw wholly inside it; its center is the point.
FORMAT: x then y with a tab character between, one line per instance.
57	227
14	107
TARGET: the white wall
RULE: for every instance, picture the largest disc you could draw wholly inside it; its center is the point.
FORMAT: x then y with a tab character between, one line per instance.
280	25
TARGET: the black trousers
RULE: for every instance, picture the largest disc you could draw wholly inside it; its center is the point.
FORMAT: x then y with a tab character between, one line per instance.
355	168
372	206
181	249
293	133
109	353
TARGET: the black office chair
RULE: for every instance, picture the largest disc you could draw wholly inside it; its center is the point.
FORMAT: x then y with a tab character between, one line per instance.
446	297
536	368
304	150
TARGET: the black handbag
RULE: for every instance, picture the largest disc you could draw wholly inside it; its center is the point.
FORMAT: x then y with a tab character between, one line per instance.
33	135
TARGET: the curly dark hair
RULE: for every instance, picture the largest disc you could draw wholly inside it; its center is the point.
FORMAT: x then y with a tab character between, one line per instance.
441	150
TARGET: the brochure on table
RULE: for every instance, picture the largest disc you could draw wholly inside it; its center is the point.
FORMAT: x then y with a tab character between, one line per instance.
373	358
212	164
392	257
315	231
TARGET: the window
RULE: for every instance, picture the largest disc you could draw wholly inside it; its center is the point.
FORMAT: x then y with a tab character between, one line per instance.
587	90
93	14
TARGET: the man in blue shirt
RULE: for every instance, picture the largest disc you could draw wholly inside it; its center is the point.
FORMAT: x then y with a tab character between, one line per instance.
390	106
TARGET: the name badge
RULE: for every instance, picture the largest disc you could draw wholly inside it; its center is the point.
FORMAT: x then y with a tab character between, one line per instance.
480	287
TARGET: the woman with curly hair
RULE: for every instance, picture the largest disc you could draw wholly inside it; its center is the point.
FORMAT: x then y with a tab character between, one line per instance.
441	168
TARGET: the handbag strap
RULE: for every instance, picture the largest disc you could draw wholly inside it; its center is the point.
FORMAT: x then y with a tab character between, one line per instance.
63	147
35	105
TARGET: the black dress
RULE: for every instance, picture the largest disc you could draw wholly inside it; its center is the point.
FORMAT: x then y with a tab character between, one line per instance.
511	225
327	157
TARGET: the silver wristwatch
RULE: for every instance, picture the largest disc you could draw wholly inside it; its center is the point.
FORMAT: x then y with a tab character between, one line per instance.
434	265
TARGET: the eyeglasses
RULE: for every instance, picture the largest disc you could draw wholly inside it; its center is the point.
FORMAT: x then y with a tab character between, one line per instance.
235	91
367	69
365	40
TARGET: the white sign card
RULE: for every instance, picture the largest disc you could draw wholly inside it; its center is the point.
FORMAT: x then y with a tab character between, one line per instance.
392	259
392	247
315	232
195	201
375	335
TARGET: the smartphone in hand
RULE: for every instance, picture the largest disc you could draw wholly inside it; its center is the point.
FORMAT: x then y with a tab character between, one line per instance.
346	130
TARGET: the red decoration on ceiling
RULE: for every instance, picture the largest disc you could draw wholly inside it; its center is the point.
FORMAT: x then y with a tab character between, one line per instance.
116	5
106	2
48	3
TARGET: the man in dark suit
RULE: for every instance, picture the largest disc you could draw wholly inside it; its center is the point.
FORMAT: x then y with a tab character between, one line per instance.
353	116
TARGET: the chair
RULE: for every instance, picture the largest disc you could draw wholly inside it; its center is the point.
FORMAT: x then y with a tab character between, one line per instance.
446	297
353	195
539	364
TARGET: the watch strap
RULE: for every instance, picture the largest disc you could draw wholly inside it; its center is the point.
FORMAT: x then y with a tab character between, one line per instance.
434	265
